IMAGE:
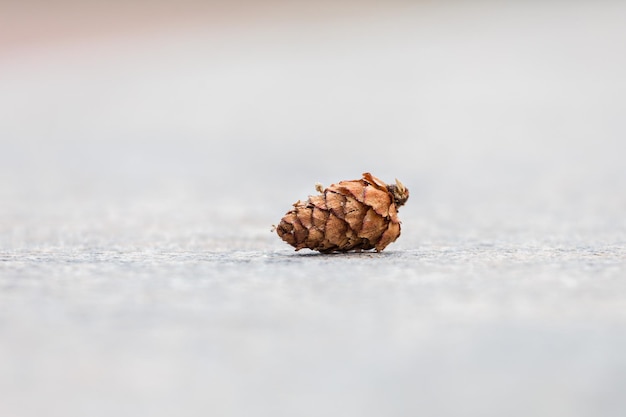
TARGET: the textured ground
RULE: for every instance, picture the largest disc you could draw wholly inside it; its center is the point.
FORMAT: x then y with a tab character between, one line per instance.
140	177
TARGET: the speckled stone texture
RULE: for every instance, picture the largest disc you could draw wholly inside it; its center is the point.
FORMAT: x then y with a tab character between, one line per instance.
140	177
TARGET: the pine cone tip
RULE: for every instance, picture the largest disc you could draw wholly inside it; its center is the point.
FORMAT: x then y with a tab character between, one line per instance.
400	193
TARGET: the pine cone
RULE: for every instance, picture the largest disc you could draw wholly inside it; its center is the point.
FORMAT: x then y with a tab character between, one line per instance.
352	215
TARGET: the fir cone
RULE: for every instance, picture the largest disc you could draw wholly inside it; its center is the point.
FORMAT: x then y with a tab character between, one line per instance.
352	215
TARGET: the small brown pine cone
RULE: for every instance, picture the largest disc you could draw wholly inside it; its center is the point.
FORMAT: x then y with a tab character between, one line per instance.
352	215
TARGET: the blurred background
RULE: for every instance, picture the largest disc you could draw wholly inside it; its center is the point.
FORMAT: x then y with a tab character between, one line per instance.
146	147
177	98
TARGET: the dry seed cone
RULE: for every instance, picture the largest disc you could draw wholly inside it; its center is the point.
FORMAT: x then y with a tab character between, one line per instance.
351	215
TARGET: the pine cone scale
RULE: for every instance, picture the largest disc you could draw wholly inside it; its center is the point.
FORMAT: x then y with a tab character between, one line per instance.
318	201
335	202
336	231
320	217
372	226
316	237
354	214
300	232
378	200
391	234
303	216
354	188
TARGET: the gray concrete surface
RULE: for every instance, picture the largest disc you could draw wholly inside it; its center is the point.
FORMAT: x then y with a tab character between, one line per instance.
139	178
